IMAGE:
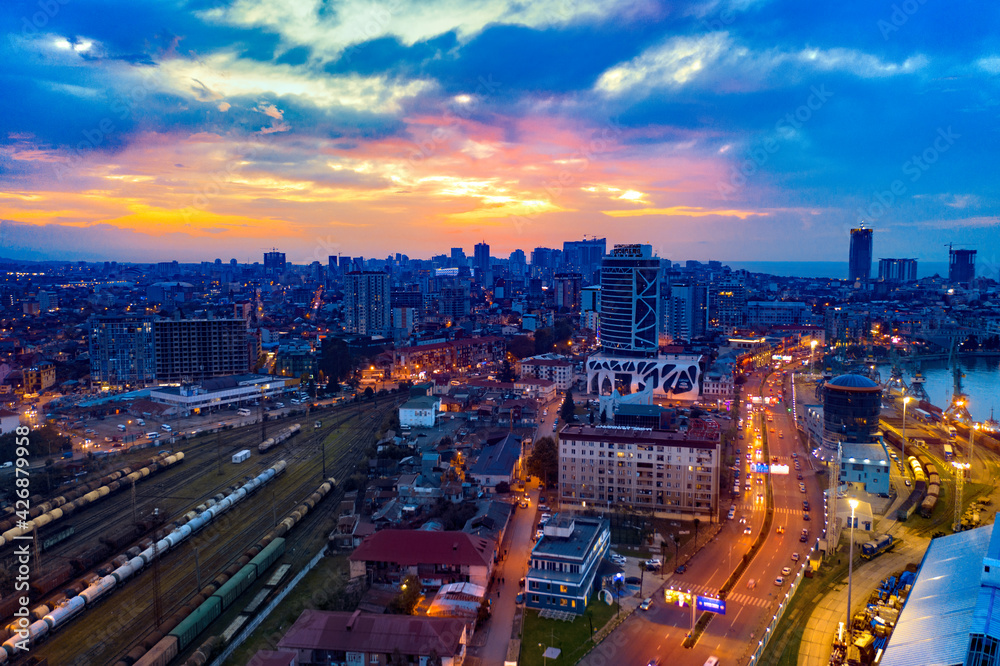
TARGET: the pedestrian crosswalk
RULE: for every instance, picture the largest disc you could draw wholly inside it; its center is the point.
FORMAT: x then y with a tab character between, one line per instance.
757	600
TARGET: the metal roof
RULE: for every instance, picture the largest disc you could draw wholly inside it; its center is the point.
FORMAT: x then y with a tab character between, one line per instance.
934	626
853	381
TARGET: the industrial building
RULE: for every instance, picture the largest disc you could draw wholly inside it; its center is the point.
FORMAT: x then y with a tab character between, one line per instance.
866	465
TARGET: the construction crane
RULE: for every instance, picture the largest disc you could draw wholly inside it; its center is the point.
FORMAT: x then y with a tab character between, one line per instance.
957	409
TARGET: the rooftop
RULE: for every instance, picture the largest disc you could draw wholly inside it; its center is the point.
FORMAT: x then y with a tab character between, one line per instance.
855	382
413	547
498	459
585	535
872	452
384	634
421	402
698	437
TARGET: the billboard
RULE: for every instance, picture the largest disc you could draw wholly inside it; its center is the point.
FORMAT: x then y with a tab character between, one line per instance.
712	605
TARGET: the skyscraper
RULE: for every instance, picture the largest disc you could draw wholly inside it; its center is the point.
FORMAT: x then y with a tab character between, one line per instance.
727	303
274	262
366	303
458	257
567	291
897	270
584	256
122	350
630	300
482	260
860	260
961	266
688	310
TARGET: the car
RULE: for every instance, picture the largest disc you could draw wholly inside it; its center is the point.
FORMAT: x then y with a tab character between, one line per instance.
88	442
760	496
107	439
907	482
804	538
749	475
802	489
543	507
523	504
787	571
539	534
619	560
646	604
794	454
279	405
747	530
805	505
542	499
653	564
779	581
653	662
633	580
731	514
799	477
781	529
795	557
519	599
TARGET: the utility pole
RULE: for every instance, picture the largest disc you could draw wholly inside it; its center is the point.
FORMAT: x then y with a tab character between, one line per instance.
134	520
218	454
197	567
157	607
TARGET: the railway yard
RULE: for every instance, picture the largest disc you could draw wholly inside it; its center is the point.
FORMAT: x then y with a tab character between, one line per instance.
120	621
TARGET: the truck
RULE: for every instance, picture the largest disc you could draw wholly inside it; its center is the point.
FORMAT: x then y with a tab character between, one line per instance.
241	456
877	546
952	432
948	451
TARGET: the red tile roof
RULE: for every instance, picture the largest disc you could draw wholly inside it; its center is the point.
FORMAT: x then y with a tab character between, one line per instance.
383	634
273	658
413	547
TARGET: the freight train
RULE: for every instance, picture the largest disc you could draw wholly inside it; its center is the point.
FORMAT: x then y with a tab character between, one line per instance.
183	627
285	433
64	505
32	632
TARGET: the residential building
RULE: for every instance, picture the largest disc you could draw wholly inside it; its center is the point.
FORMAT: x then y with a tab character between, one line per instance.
717	385
497	462
481	259
687	316
866	465
420	412
436	558
295	358
344	638
727	303
122	350
195	349
39	377
366	303
584	257
455	301
670	473
548	366
564	562
452	356
567	291
897	270
777	313
860	260
274	262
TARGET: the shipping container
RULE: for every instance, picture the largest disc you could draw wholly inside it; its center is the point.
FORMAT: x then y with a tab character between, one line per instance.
241	456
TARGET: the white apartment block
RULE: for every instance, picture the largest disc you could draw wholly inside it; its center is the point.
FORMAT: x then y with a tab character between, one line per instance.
550	367
669	473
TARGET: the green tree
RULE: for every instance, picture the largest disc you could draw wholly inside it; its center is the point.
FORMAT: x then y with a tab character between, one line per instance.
507	372
521	346
336	361
369	393
544	460
568	409
408	597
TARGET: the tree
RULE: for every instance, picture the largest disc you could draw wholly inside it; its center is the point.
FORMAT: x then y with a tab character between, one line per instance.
544	459
369	393
568	409
408	597
503	488
507	372
520	346
336	361
604	417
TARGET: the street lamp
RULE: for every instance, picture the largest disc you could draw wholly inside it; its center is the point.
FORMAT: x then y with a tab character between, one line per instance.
850	572
812	350
906	401
972	445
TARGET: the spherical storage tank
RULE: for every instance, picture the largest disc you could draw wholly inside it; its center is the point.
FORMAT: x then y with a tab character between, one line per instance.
851	407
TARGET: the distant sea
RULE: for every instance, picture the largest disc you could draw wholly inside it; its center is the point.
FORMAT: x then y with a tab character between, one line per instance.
826	269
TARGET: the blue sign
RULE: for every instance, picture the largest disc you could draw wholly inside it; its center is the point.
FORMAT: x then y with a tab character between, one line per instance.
761	468
712	605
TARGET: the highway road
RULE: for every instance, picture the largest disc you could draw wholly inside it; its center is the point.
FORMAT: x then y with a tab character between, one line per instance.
659	632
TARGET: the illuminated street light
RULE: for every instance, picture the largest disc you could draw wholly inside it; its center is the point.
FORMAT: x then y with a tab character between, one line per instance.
812	351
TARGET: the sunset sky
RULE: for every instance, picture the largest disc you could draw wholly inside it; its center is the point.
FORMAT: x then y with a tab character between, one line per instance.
732	130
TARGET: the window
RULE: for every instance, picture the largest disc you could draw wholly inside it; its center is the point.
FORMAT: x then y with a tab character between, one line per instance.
374	658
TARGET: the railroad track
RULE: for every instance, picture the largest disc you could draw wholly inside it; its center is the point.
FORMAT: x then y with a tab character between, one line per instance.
128	616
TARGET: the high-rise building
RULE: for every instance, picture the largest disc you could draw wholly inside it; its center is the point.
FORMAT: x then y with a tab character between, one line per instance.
897	270
190	350
727	303
332	265
122	350
961	266
458	257
860	260
688	315
630	301
274	262
567	291
851	408
455	301
482	260
366	303
584	257
517	262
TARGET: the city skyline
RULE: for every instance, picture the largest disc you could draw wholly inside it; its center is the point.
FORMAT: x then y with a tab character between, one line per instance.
730	131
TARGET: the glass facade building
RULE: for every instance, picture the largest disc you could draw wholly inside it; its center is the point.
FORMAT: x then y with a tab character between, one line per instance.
851	408
630	302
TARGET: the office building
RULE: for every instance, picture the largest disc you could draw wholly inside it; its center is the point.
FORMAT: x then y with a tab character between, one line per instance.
669	473
630	300
458	258
481	259
860	260
366	303
687	317
567	291
195	349
961	266
122	350
564	562
274	262
897	270
851	408
584	257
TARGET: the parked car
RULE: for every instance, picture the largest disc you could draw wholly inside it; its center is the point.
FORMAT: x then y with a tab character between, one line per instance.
786	571
632	580
795	557
681	569
646	604
779	581
653	564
